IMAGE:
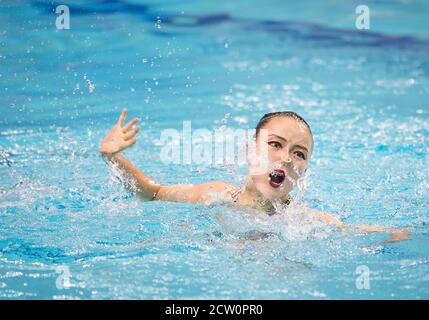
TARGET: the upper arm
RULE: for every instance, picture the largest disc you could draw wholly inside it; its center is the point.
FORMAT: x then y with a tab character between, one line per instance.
200	193
327	217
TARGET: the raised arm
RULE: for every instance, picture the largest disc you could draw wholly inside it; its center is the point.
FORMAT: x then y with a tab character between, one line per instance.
122	137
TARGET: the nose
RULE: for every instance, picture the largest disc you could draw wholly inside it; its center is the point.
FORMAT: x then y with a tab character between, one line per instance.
286	159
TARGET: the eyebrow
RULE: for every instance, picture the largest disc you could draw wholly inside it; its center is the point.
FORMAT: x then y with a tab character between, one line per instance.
297	145
272	134
302	147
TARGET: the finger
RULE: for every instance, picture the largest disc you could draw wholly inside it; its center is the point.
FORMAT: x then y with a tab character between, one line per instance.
131	134
122	117
129	125
131	142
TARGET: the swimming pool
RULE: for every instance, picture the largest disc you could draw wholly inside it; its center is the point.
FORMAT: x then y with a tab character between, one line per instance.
69	230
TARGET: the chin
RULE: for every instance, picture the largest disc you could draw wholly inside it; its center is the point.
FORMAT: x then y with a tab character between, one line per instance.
274	196
278	193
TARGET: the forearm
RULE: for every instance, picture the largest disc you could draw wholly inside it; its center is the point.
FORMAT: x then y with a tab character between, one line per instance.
395	234
146	187
371	229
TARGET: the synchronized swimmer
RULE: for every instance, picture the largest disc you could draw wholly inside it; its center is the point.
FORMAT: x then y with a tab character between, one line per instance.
290	145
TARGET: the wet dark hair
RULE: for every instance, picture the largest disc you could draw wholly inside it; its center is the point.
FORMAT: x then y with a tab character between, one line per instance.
288	114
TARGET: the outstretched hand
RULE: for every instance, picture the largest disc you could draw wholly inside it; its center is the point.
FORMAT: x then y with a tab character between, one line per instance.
120	137
398	235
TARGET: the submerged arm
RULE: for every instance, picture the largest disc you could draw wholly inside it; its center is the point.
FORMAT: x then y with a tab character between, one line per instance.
395	234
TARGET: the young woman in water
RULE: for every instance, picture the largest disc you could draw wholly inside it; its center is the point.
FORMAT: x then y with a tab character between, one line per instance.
289	147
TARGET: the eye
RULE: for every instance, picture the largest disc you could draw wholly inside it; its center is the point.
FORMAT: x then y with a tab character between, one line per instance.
300	154
275	144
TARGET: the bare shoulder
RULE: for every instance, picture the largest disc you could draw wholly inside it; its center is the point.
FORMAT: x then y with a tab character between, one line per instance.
206	193
217	191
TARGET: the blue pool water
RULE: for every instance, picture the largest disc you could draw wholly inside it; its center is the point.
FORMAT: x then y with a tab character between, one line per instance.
68	229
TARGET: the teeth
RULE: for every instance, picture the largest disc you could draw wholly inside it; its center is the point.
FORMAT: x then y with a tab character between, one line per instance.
277	176
277	173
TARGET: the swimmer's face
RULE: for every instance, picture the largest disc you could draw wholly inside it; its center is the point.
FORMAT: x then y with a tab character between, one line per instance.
283	149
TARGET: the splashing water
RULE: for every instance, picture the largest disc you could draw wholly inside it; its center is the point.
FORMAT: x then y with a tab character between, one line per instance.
364	94
91	86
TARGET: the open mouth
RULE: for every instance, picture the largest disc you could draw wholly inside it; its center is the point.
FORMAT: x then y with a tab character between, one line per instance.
276	178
